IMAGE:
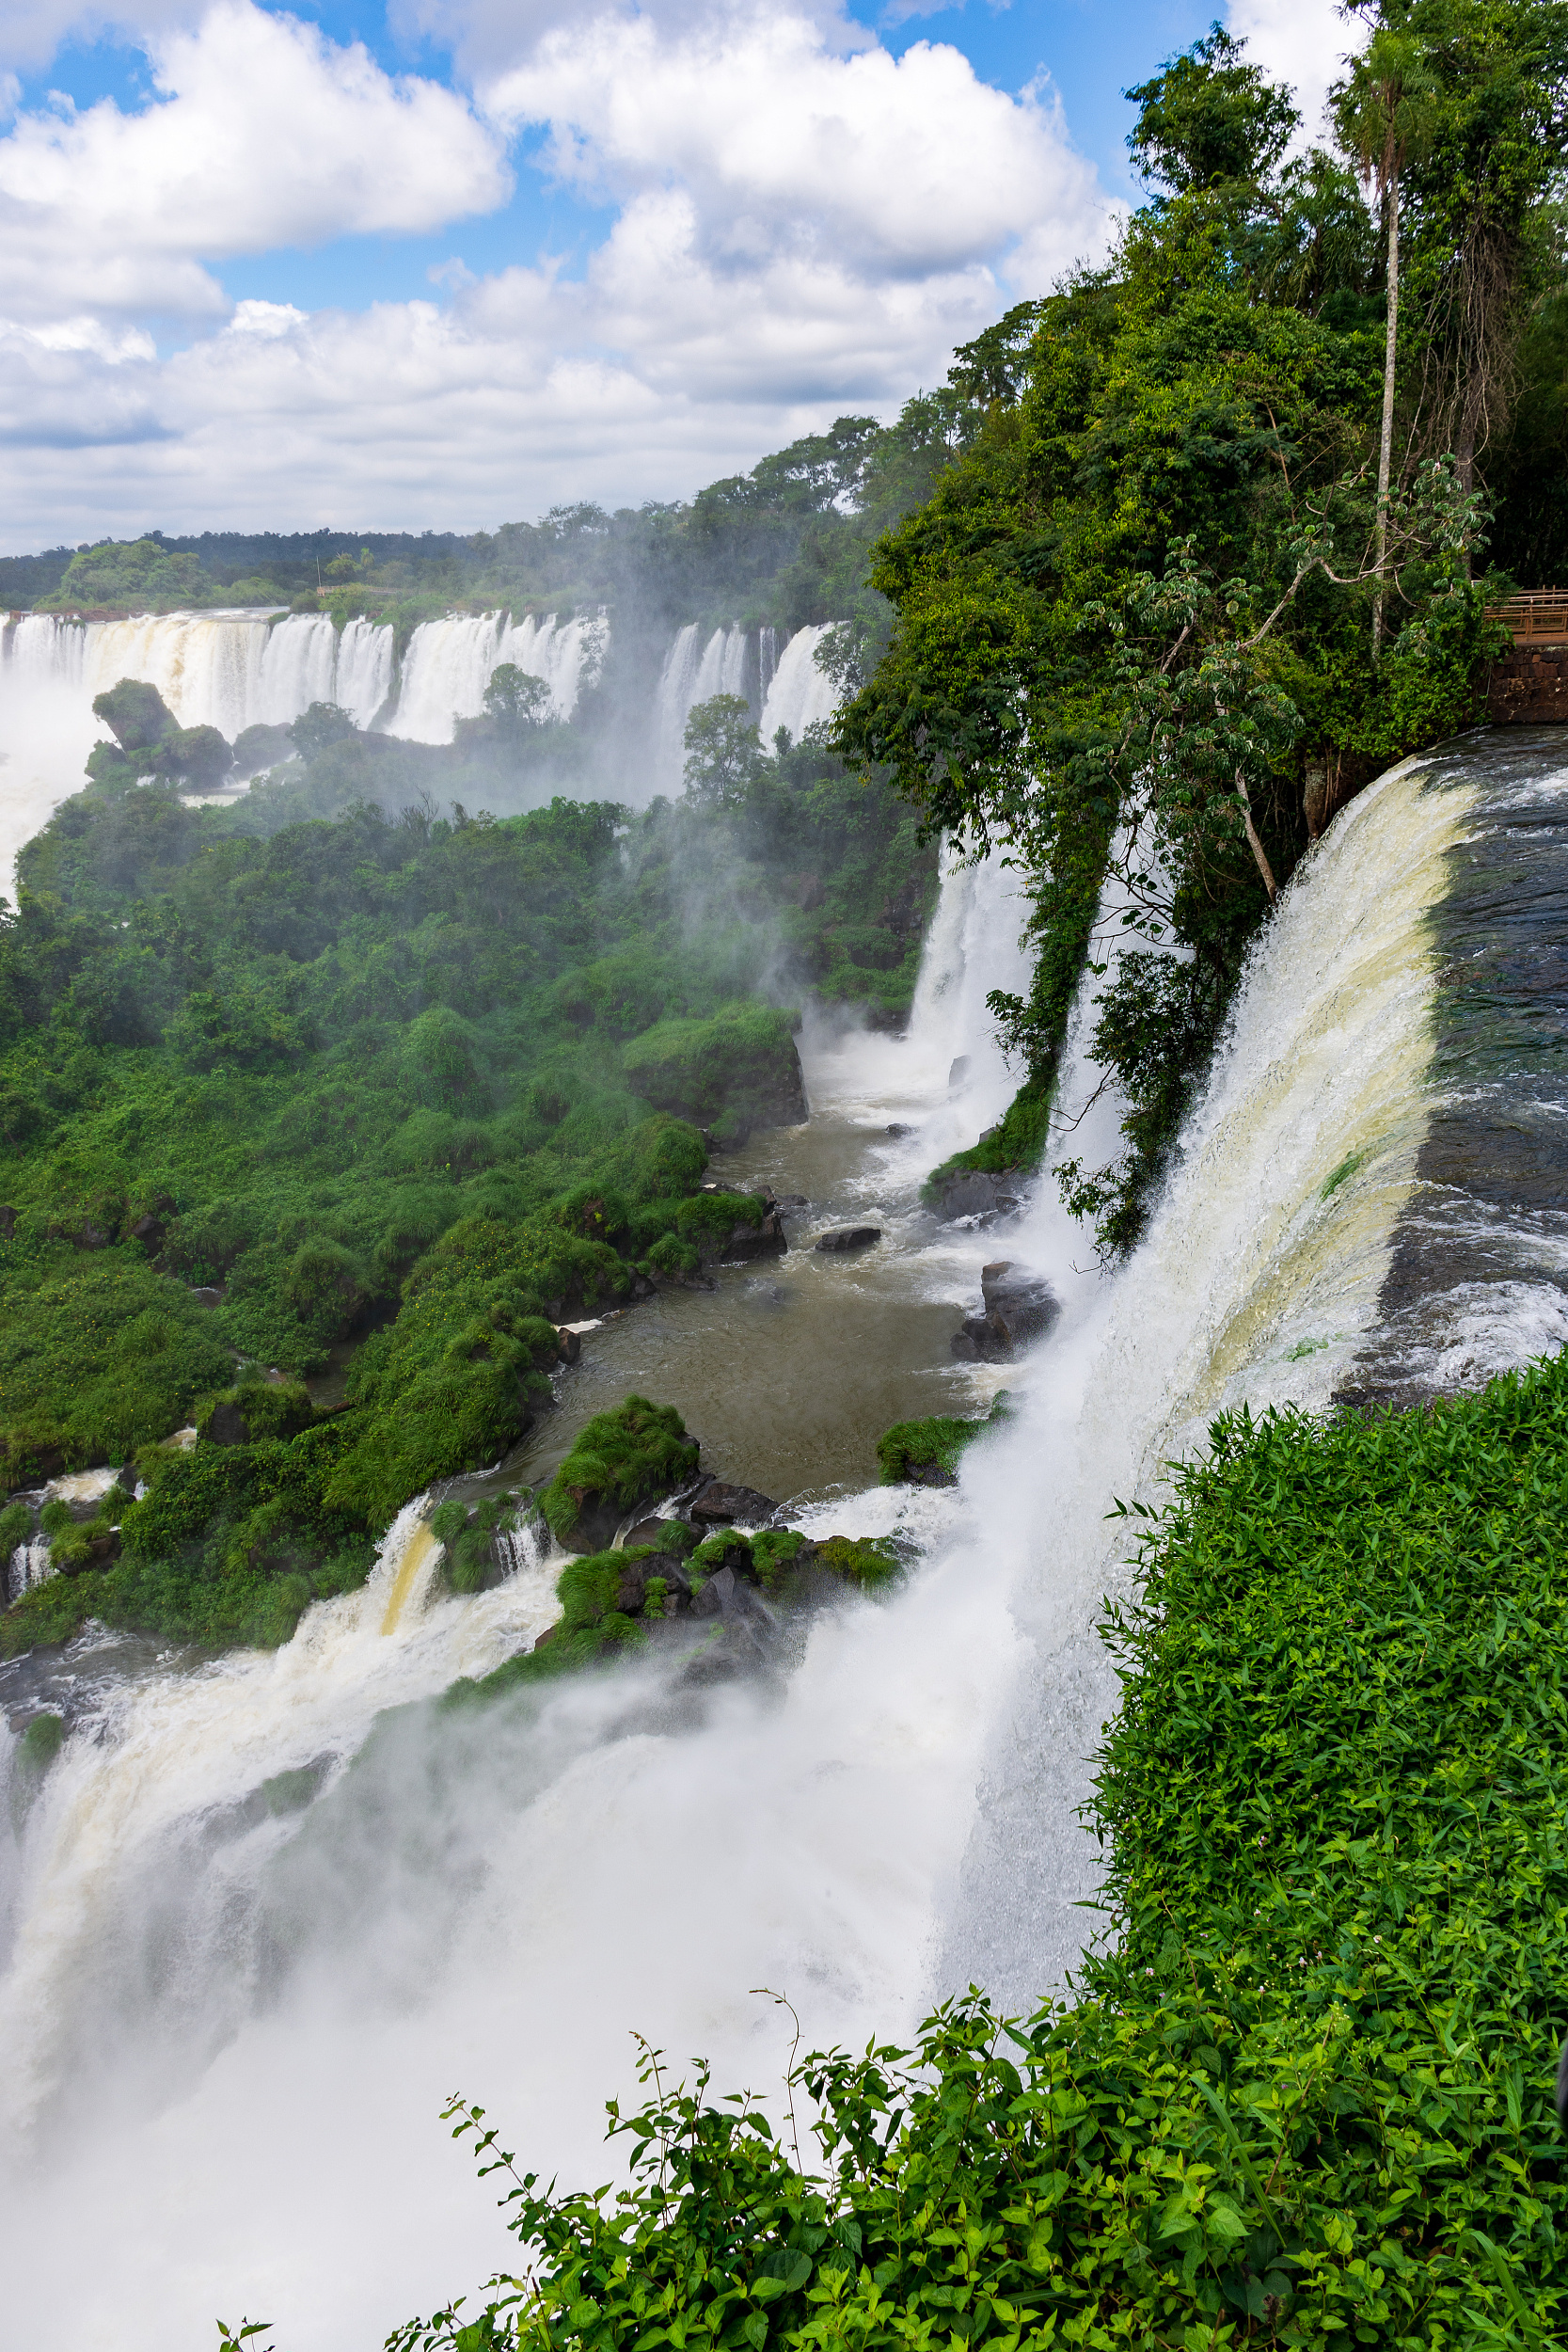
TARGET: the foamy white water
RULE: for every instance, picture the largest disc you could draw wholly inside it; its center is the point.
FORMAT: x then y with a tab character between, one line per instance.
800	694
234	670
227	2035
449	663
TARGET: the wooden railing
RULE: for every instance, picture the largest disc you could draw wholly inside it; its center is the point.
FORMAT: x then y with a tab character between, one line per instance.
1539	618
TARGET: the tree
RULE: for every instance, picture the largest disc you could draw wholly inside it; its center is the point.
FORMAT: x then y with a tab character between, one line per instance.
136	713
1384	110
131	572
321	726
197	756
724	758
1210	118
516	699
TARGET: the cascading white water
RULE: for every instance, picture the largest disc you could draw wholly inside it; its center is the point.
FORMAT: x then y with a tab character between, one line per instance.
449	663
692	672
227	2029
234	670
799	695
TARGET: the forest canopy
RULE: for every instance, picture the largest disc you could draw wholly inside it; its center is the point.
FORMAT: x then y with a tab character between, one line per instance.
1224	545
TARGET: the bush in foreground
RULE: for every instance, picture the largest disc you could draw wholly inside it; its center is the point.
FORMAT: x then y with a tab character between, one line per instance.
1306	2100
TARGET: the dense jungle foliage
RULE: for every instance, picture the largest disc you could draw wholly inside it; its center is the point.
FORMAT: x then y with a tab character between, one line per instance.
283	1095
1162	617
1307	2098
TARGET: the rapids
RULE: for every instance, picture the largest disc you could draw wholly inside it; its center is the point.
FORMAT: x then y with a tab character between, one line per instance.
268	1910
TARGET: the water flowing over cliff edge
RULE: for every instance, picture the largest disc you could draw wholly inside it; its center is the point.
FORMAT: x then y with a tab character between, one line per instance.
239	669
234	2001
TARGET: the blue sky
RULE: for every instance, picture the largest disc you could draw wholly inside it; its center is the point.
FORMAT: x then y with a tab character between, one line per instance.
524	250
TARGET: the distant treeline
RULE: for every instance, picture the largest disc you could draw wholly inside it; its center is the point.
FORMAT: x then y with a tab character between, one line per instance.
783	545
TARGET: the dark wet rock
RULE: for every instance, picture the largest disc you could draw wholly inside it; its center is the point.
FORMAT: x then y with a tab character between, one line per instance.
747	1242
848	1237
899	1127
149	1230
729	1596
549	1634
632	1594
721	1506
1020	1308
792	1200
227	1426
1023	1303
977	1192
569	1344
655	1532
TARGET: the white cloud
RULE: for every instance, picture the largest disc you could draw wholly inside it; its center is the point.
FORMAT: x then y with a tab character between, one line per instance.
901	163
31	31
802	225
263	135
1304	42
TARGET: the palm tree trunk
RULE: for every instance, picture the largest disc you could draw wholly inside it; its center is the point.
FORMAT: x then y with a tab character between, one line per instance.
1390	354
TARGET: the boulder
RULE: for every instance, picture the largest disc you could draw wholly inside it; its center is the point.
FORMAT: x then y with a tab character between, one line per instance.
747	1242
898	1127
569	1344
728	1597
647	1532
149	1230
977	1192
1019	1303
848	1237
227	1426
792	1200
1020	1306
719	1505
632	1592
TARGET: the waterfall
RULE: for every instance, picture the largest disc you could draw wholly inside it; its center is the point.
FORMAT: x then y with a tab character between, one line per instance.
490	1900
692	672
798	694
449	663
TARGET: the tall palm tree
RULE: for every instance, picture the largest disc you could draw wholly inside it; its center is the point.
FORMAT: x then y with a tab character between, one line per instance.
1386	115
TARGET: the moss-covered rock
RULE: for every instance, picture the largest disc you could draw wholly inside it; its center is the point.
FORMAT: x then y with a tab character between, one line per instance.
619	1459
253	1410
926	1453
738	1071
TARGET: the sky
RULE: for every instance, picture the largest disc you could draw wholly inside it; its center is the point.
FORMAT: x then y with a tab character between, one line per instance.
409	264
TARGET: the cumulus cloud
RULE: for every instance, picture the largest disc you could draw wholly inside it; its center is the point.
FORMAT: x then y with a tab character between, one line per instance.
903	164
263	135
1304	42
802	225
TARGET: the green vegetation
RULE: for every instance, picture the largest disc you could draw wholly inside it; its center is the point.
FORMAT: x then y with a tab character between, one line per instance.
618	1459
610	1599
925	1452
1157	621
468	1535
1306	2099
280	1096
